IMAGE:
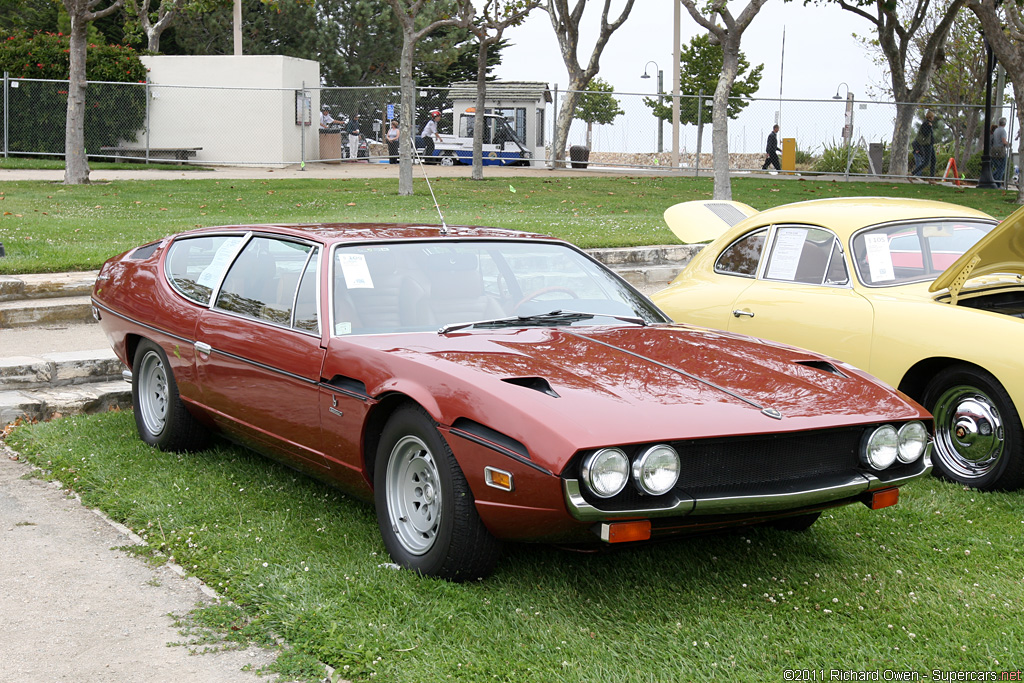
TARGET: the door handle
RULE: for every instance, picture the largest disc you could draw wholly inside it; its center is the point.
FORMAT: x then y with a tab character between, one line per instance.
203	348
738	313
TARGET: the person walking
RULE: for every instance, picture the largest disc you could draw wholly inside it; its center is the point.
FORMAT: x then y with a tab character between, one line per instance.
772	149
429	132
998	144
925	141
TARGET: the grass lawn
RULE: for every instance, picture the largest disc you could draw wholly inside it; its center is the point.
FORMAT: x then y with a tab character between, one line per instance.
50	227
933	583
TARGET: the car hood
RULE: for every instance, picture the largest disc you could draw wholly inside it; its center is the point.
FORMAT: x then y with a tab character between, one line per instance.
636	384
1000	251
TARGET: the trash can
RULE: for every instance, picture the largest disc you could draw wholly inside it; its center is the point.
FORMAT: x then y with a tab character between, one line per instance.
579	156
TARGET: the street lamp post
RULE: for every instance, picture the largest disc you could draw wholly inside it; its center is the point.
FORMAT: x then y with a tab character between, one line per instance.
660	99
847	124
985	179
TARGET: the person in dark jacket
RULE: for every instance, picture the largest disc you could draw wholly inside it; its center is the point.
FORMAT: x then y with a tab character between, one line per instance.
772	149
925	141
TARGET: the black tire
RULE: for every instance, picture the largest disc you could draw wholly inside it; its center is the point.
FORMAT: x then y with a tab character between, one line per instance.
425	508
447	159
797	523
978	433
161	418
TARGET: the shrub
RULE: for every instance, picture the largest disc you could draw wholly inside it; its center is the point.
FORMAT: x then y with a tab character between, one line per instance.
38	105
833	159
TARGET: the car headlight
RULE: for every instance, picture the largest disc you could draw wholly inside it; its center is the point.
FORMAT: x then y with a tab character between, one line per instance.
880	447
605	472
913	439
656	470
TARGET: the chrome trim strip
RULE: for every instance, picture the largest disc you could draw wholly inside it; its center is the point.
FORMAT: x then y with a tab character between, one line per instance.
845	488
766	410
580	509
782	501
141	324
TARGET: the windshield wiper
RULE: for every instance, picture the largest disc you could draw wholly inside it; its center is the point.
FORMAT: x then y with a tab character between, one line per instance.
550	318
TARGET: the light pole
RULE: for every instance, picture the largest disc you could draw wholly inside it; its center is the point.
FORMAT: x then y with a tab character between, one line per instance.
985	179
660	99
847	123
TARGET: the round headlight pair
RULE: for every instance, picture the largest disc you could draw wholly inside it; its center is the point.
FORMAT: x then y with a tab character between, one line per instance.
655	471
886	445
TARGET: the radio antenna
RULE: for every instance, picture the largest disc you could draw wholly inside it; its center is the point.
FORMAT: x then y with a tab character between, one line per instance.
416	155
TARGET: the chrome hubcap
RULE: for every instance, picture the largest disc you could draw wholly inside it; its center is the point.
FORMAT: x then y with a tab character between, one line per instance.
152	390
969	435
413	495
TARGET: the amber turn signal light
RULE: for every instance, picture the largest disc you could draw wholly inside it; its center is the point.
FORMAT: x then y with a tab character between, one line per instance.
624	532
877	500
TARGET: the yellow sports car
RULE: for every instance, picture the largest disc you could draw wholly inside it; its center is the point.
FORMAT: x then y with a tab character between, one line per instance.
925	295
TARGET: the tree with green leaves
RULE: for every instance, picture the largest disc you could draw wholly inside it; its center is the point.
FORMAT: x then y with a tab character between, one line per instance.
727	30
700	65
596	105
488	26
418	19
1003	23
81	13
566	23
897	26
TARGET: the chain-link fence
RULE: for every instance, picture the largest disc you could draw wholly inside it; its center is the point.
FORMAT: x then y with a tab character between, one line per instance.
274	126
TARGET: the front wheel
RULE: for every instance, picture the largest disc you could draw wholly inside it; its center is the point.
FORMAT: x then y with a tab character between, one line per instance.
447	159
425	508
161	417
978	433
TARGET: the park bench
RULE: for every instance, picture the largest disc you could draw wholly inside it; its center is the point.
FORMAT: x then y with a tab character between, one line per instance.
176	154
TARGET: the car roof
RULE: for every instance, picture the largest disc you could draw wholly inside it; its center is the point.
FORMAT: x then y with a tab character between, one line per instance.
332	233
847	215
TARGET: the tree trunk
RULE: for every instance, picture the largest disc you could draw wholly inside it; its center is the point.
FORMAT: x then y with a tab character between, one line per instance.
720	119
478	115
562	124
76	164
902	131
407	124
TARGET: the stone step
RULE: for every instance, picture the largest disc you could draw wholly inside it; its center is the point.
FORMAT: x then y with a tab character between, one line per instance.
46	404
45	311
46	285
58	369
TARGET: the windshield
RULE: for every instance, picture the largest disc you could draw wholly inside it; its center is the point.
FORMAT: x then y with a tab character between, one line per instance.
914	251
425	286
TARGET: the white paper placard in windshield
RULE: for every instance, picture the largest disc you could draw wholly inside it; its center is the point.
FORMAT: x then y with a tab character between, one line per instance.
357	274
879	258
789	244
211	274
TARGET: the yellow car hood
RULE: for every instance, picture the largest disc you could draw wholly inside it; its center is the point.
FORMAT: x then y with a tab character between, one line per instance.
1000	251
702	220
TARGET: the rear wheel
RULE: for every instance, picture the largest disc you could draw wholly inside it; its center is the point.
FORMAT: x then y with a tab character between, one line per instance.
447	159
161	418
425	508
978	433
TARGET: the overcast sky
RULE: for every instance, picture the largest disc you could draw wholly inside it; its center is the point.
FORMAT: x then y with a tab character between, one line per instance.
820	50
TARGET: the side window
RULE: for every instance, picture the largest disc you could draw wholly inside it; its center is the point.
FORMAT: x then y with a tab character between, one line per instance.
810	256
741	257
195	265
307	308
262	281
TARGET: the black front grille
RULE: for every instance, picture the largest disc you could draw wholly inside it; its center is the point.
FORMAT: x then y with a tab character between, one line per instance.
754	465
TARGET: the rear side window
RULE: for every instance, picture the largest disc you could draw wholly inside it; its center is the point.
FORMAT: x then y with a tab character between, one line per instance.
806	255
195	265
263	282
742	256
899	253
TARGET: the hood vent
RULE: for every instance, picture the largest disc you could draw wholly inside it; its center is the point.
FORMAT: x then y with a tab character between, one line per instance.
536	383
822	365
